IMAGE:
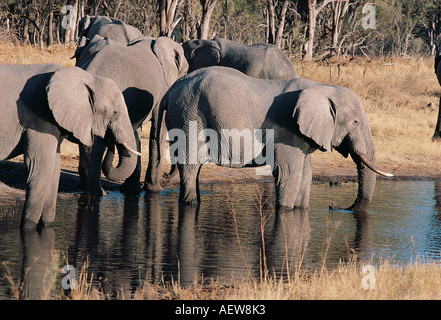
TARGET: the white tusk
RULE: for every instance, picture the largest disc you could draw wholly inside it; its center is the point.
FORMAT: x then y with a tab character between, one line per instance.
373	168
126	145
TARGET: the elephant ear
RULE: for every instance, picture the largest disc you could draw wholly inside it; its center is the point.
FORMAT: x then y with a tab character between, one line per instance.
171	57
83	26
70	99
315	115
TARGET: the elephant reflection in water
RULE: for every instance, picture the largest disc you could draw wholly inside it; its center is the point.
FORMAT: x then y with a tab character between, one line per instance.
287	242
170	238
129	245
40	265
108	240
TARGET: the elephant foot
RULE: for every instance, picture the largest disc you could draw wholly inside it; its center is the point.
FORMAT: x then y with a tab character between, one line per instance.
283	209
96	192
131	188
193	203
28	224
48	224
150	187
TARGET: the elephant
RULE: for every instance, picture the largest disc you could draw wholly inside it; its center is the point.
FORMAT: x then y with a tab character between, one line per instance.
437	132
41	106
143	70
105	27
209	109
261	60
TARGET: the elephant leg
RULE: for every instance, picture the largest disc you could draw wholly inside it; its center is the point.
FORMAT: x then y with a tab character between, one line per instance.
288	173
302	200
189	192
131	184
50	205
437	133
153	174
83	165
39	162
93	185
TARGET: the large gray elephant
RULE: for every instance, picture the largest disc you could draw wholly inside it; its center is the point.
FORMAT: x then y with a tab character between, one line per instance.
42	105
105	27
210	110
143	71
261	60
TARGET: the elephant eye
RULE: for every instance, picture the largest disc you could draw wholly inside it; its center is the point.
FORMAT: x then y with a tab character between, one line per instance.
115	113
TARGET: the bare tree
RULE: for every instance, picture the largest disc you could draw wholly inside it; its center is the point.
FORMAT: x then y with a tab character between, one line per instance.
207	11
281	26
314	8
339	10
274	35
167	11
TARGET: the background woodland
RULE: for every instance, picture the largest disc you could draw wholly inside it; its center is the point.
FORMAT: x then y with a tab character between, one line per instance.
307	29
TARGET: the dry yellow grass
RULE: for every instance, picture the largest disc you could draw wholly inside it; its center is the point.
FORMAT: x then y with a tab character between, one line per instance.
349	281
414	281
417	281
17	54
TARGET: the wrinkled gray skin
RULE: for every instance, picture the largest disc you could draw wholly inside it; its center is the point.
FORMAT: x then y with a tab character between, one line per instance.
143	71
105	27
42	105
305	117
262	60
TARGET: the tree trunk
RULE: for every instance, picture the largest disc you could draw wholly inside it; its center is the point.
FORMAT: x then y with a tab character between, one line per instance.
50	30
313	10
271	35
278	40
207	10
167	12
338	12
25	35
311	29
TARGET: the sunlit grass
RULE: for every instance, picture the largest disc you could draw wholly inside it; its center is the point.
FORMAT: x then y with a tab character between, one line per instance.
347	281
18	54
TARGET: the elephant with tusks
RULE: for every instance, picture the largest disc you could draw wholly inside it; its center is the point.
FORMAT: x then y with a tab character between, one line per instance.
299	116
44	104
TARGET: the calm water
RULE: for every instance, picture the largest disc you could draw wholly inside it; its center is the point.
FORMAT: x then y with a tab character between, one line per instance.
127	240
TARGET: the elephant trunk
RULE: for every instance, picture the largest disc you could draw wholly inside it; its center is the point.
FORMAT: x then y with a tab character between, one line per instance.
128	155
367	175
360	146
366	183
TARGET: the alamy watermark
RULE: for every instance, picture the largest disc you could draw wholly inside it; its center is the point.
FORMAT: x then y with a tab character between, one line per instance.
69	281
368	281
70	17
227	147
368	21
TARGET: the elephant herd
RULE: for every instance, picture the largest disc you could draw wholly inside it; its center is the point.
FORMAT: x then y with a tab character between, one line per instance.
123	79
